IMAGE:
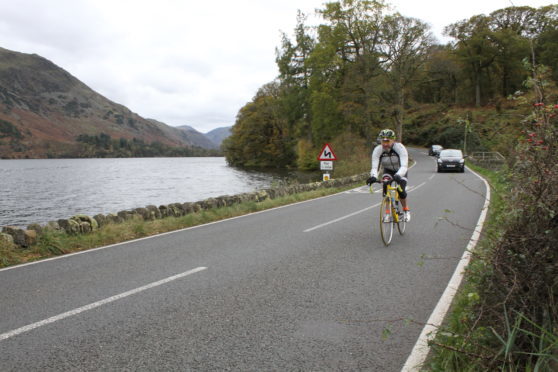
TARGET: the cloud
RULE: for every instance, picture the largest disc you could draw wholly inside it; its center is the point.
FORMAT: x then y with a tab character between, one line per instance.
441	14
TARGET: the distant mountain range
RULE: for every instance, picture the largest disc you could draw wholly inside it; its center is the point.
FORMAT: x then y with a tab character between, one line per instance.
44	110
200	139
217	135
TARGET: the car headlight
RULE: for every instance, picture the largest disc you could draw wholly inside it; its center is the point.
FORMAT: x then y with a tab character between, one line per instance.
439	161
462	161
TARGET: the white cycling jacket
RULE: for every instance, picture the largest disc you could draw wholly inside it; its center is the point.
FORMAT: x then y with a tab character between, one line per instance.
395	160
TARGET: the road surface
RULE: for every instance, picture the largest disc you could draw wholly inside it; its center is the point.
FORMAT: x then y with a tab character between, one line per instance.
308	286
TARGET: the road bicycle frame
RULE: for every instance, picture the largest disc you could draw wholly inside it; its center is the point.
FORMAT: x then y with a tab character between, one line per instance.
392	192
390	213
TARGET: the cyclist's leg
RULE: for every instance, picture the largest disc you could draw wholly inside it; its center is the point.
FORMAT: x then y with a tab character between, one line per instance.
403	192
403	197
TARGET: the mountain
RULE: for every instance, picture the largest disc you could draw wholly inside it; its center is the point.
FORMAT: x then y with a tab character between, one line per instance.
44	109
217	135
199	138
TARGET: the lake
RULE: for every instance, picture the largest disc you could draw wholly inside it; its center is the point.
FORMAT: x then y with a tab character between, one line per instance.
42	190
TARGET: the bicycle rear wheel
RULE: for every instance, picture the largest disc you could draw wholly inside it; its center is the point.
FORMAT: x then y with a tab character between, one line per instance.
386	220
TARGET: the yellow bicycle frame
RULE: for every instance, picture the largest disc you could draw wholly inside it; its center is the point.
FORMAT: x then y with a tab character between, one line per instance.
390	190
392	214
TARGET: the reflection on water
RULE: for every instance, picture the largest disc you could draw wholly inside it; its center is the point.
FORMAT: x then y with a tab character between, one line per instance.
41	190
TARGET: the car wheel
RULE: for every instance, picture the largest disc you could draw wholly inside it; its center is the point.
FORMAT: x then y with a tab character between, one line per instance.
462	170
439	170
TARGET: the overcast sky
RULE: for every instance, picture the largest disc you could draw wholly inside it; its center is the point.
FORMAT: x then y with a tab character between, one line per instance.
182	62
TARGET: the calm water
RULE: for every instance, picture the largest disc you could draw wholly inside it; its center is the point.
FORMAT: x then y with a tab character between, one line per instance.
42	190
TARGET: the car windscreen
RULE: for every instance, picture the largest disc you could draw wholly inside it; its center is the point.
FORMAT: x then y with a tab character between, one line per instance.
451	154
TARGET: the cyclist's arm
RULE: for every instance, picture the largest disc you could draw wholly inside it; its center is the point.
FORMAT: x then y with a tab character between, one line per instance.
403	158
376	161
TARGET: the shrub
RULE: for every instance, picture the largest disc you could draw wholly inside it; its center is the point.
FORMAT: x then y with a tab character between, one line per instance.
522	288
507	316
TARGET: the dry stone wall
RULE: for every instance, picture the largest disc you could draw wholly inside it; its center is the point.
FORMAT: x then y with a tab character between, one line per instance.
82	224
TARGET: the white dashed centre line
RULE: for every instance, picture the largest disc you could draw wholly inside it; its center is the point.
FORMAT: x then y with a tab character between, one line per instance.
29	327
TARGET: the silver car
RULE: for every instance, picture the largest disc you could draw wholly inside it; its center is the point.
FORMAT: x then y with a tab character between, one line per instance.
435	150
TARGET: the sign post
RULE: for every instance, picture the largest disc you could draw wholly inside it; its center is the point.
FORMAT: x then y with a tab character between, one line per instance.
326	158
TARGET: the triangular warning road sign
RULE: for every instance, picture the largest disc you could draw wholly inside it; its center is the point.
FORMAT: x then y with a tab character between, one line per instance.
327	153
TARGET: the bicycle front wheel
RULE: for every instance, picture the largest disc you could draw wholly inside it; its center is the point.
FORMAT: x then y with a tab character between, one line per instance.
386	220
401	223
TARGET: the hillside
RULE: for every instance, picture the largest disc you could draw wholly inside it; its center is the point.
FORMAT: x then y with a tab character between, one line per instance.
201	139
217	135
43	110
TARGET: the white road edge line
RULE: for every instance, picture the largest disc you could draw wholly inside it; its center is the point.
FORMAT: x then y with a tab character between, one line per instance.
420	351
354	213
27	328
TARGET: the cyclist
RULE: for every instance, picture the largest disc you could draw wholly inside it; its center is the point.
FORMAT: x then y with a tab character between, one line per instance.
393	157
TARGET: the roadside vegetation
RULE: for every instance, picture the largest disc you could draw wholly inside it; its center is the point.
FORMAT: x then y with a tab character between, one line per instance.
54	243
506	314
364	68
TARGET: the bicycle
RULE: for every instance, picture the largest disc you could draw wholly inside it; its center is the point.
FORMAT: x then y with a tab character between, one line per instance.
390	210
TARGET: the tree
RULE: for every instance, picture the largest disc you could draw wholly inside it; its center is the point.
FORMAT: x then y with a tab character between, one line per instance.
345	64
474	48
260	136
405	46
440	77
510	30
546	48
291	59
294	75
491	48
359	24
362	67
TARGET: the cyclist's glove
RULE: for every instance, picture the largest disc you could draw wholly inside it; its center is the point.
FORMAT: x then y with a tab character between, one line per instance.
397	178
371	180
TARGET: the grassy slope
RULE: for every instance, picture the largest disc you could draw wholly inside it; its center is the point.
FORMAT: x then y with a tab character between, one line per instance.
57	243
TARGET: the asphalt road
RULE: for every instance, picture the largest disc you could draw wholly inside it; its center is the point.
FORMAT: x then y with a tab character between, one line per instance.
304	287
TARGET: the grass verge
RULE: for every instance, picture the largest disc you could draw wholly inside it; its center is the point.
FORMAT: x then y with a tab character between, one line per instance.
56	243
